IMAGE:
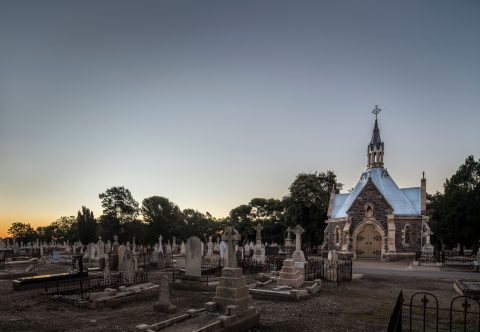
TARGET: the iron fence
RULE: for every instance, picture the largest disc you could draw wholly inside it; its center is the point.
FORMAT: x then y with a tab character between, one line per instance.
423	313
447	258
87	285
250	265
331	273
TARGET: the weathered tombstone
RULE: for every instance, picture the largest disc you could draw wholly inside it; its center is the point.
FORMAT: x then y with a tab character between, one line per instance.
164	304
121	253
114	254
193	257
246	248
182	248
92	251
209	253
106	270
154	254
161	261
128	267
160	244
259	251
100	248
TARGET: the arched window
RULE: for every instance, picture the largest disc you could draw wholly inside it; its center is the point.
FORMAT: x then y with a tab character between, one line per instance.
407	235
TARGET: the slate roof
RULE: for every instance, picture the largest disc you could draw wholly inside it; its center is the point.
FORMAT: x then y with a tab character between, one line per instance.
403	201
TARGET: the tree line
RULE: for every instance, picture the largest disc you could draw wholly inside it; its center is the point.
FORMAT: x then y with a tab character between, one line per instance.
454	214
306	204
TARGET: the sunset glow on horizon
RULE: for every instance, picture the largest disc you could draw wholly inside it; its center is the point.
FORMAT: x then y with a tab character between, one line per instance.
211	104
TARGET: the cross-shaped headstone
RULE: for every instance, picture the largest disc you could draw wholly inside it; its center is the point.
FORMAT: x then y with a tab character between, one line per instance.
298	232
232	237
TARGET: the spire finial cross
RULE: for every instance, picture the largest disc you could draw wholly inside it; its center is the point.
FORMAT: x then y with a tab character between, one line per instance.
376	110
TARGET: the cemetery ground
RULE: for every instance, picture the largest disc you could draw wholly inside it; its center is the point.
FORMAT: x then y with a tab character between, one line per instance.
363	304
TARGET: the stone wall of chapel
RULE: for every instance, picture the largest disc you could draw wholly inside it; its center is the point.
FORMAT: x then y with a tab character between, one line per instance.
381	208
415	225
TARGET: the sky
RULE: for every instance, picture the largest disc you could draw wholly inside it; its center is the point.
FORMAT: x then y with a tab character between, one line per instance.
213	103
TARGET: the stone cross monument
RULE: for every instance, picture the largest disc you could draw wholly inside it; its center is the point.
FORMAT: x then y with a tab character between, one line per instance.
298	256
232	237
232	289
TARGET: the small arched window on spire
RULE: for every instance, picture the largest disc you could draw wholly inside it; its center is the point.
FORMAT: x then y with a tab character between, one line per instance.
407	235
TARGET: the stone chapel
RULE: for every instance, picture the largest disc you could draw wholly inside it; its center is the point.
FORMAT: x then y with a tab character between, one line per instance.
377	219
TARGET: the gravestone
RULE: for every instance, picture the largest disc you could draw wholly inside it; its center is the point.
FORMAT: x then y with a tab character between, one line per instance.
182	248
100	248
161	261
121	253
193	257
160	244
259	249
128	267
164	304
209	253
233	289
246	248
298	256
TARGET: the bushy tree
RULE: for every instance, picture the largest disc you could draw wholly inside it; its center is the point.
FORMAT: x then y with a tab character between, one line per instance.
456	213
22	232
86	225
118	202
162	217
267	212
65	229
200	224
307	203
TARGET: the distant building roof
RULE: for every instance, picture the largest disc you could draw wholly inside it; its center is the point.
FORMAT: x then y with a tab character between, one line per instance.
403	201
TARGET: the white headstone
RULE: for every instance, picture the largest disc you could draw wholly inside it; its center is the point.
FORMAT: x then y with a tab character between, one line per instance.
193	257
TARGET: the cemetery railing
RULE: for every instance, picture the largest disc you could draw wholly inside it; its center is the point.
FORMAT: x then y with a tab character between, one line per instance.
395	322
423	313
85	286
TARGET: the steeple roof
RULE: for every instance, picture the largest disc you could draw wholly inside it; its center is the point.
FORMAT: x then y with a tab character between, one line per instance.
376	140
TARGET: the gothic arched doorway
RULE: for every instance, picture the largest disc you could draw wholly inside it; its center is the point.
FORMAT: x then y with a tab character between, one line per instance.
369	242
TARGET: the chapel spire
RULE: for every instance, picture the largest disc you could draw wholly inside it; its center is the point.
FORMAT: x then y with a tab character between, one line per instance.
375	148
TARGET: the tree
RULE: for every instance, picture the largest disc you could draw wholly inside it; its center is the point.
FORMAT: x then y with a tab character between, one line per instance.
65	229
86	225
307	203
22	232
118	202
46	233
456	213
267	212
199	224
108	226
163	218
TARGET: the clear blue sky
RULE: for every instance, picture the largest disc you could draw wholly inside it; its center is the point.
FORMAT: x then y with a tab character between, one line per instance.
212	103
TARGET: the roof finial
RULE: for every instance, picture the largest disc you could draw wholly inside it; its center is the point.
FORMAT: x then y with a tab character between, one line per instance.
376	110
